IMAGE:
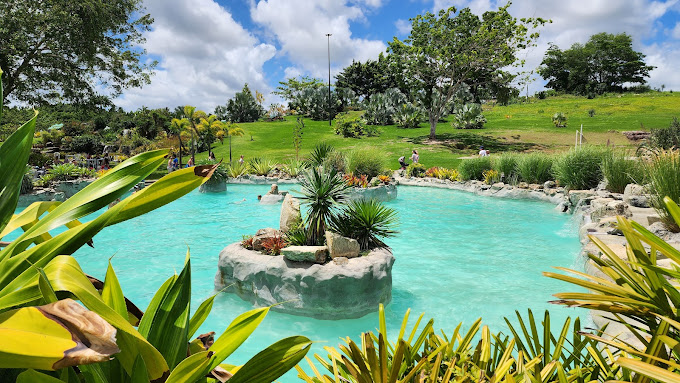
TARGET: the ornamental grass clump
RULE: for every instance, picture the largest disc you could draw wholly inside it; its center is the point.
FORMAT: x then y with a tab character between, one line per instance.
368	161
663	172
579	168
367	221
474	168
620	171
534	168
506	165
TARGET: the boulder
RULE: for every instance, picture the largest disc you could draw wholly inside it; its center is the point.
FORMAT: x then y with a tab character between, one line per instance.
314	254
271	199
213	187
290	213
635	195
263	234
350	288
549	184
339	246
577	195
607	207
274	190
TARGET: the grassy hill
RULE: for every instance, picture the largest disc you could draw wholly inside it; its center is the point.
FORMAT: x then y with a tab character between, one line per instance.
517	127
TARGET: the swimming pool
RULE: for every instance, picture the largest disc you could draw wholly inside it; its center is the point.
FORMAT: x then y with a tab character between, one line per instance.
458	257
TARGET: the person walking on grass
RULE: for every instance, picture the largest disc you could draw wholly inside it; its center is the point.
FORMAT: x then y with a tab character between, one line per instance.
483	152
402	162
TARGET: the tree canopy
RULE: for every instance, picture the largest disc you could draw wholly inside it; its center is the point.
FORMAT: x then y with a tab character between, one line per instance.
244	107
366	79
603	64
450	49
67	51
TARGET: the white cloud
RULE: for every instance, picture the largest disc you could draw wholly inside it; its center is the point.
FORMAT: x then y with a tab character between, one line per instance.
403	27
575	21
675	33
300	27
205	57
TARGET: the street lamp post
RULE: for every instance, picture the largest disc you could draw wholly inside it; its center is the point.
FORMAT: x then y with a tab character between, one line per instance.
328	35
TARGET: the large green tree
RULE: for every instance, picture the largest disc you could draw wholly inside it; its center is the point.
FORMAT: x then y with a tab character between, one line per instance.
64	50
244	107
603	64
453	48
368	78
291	90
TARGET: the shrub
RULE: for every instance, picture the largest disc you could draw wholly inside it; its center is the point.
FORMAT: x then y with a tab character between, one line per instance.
297	236
294	167
382	107
473	168
65	172
591	112
408	116
468	116
247	242
236	170
367	221
415	169
38	159
372	131
261	166
663	174
490	176
506	165
619	171
534	167
579	168
368	161
27	180
442	173
86	144
354	181
666	138
336	160
559	119
349	126
273	245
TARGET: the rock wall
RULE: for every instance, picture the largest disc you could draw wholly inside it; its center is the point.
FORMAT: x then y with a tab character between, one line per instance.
341	289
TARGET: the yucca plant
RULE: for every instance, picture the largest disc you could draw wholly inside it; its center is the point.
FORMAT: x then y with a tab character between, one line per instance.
319	153
638	293
261	166
322	189
367	221
42	329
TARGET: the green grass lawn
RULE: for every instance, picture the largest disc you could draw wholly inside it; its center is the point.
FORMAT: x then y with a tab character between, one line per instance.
518	127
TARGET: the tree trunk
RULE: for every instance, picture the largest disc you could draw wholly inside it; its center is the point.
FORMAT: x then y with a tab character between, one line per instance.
433	126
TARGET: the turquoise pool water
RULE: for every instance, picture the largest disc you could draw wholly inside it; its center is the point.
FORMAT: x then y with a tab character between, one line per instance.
459	257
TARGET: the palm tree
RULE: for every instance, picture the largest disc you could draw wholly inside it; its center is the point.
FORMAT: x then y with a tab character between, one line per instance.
231	129
193	116
177	126
208	128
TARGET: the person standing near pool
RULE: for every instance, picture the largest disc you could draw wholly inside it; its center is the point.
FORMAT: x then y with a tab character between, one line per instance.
240	160
415	157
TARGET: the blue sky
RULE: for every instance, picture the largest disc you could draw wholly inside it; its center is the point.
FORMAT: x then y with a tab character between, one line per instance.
207	49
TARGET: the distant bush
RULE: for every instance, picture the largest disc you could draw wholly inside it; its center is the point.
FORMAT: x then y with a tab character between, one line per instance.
666	138
408	116
559	119
506	165
86	144
336	160
38	159
619	171
349	126
579	168
473	169
415	170
368	161
27	180
381	108
591	112
468	116
664	181
534	168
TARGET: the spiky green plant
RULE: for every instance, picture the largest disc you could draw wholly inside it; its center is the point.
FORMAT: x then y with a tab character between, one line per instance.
294	167
236	169
319	153
261	166
322	189
367	221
